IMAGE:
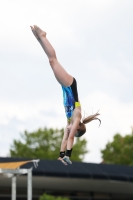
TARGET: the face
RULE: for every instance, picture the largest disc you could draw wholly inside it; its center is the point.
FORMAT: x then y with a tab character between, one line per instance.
81	131
78	127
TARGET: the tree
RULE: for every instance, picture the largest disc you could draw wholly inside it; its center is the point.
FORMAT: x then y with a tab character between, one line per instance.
45	144
50	197
119	151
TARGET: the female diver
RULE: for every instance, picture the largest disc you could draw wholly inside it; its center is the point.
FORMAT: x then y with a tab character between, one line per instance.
74	127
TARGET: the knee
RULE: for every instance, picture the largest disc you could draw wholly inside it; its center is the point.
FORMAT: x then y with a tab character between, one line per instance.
52	61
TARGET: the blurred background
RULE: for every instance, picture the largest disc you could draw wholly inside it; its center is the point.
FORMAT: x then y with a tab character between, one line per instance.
93	41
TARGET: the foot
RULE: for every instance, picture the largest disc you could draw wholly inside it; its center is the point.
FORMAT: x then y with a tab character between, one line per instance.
61	159
39	32
67	160
34	32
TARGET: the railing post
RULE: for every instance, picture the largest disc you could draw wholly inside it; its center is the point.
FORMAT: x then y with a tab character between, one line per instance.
29	184
14	187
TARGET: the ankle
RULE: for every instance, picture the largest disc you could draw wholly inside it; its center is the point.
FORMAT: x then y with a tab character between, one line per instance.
69	152
62	154
42	34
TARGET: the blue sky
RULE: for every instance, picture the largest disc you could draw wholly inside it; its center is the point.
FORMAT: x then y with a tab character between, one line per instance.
93	41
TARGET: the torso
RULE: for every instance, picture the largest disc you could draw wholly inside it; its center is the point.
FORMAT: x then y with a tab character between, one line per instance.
68	101
70	96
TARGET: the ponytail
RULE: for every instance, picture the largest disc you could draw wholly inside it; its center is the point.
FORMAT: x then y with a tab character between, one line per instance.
86	120
90	118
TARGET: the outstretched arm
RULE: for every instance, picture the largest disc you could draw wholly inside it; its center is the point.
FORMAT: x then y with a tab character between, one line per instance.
75	125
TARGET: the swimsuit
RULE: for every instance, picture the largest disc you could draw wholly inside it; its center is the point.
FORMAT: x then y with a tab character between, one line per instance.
70	99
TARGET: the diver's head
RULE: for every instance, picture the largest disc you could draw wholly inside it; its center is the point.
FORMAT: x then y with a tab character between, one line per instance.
81	130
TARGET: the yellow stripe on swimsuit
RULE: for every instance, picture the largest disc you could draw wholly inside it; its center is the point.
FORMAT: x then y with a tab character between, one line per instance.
69	120
77	104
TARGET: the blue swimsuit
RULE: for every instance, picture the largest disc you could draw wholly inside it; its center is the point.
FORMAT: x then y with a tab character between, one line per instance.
70	99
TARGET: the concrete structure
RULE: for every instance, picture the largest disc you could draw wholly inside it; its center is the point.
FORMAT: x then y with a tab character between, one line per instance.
78	181
11	170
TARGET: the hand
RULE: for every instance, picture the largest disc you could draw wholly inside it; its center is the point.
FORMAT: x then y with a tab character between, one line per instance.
61	159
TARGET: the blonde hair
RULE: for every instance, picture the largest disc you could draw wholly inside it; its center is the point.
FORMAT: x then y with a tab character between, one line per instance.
81	131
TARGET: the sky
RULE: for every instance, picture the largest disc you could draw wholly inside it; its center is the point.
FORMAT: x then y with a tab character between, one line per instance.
93	41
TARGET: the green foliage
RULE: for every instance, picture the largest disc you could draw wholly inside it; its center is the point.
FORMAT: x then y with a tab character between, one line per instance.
45	144
50	197
79	149
119	151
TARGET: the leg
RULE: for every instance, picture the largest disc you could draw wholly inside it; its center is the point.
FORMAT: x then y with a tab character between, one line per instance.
60	73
